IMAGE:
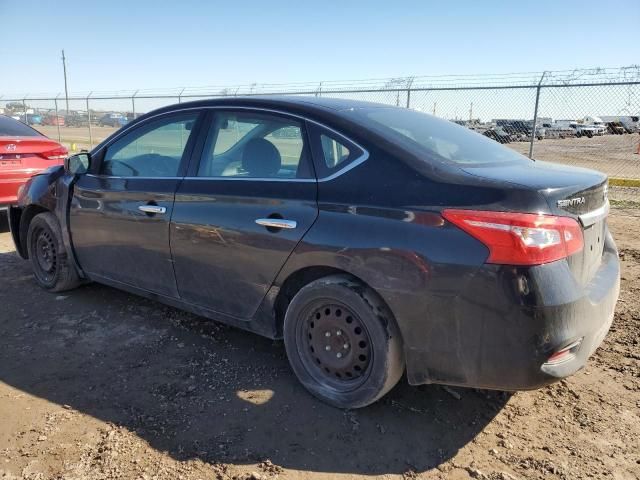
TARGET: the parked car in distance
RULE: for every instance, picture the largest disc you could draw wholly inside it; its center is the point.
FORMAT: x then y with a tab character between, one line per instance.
631	123
616	128
31	119
498	134
553	130
583	130
23	152
53	120
76	119
597	122
112	120
372	239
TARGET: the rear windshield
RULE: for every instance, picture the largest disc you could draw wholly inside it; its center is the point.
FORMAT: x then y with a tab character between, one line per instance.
13	128
438	139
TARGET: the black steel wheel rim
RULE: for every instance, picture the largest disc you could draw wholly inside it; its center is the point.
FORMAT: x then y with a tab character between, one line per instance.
45	253
334	345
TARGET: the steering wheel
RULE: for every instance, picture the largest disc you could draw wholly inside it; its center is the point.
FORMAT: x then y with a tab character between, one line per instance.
159	165
122	164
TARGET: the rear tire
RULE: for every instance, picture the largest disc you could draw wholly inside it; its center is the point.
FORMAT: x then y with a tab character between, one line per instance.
51	267
342	342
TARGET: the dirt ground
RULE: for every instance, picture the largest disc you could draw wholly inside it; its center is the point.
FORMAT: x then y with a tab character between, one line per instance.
100	384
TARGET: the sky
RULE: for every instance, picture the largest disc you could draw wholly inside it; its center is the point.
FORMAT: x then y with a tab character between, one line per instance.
125	45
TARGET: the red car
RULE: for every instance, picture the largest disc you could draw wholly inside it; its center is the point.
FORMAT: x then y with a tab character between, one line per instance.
23	153
53	120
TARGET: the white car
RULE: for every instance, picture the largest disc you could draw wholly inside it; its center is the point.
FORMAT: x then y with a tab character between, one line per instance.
585	130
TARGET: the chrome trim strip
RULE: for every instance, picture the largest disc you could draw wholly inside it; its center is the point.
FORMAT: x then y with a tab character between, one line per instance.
132	178
594	216
276	223
346	168
255	179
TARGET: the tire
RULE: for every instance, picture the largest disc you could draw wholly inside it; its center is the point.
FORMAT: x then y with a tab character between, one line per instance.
51	267
338	314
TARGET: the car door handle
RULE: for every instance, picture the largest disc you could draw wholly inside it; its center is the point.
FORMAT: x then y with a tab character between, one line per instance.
276	223
152	209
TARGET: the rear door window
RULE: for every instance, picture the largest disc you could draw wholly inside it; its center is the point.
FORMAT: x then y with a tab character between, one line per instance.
255	145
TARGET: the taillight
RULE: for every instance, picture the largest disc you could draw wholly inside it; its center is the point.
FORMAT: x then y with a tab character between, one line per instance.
520	238
55	154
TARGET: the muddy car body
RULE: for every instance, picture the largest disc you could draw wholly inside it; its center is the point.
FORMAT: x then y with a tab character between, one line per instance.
369	237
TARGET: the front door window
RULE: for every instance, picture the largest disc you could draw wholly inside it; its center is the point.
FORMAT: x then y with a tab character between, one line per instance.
154	150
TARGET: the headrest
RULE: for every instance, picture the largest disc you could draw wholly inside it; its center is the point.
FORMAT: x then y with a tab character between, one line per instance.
260	158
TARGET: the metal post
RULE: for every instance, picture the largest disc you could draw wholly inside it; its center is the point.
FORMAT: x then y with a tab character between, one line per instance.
180	95
55	102
535	115
133	104
24	110
89	122
66	91
409	83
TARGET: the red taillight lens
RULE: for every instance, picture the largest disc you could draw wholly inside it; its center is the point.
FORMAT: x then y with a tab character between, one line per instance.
520	238
55	154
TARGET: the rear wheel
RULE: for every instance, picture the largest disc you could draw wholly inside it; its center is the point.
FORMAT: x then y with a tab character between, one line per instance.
48	256
343	342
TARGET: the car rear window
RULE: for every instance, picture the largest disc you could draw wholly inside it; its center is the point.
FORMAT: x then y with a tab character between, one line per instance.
13	128
437	139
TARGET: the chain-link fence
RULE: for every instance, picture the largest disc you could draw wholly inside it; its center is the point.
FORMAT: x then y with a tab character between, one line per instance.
587	118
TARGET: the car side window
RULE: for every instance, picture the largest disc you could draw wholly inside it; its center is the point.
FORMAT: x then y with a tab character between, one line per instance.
152	150
255	145
331	151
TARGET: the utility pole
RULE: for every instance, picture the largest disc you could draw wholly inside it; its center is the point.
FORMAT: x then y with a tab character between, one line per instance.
66	91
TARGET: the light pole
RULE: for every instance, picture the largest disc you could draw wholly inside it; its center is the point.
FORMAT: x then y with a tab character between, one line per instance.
66	91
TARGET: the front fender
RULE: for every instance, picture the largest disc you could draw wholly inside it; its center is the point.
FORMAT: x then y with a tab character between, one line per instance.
41	189
46	191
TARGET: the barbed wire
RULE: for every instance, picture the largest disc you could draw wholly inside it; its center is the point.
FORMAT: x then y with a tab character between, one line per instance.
564	78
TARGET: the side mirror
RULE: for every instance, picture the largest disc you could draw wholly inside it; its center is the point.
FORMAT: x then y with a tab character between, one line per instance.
77	164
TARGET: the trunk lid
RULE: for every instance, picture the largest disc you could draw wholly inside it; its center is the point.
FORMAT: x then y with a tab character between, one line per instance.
569	191
28	152
26	145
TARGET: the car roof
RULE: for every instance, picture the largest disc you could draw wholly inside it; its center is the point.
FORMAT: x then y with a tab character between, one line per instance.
332	112
284	101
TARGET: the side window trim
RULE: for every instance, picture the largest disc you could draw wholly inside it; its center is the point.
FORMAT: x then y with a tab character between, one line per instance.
187	154
205	115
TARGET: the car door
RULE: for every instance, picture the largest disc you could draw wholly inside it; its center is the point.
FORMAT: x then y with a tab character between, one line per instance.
120	210
242	210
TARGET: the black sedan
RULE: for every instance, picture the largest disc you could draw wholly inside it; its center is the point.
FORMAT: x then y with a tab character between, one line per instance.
375	240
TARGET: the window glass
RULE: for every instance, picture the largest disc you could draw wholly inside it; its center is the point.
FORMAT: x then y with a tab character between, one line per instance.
248	145
436	138
150	151
334	152
10	127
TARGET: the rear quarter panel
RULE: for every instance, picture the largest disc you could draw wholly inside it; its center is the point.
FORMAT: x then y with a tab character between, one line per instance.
382	223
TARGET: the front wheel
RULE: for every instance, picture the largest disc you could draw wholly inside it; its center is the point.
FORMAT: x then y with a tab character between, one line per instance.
343	342
51	266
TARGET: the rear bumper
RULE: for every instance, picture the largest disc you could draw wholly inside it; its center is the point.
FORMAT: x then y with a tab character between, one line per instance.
9	189
500	331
